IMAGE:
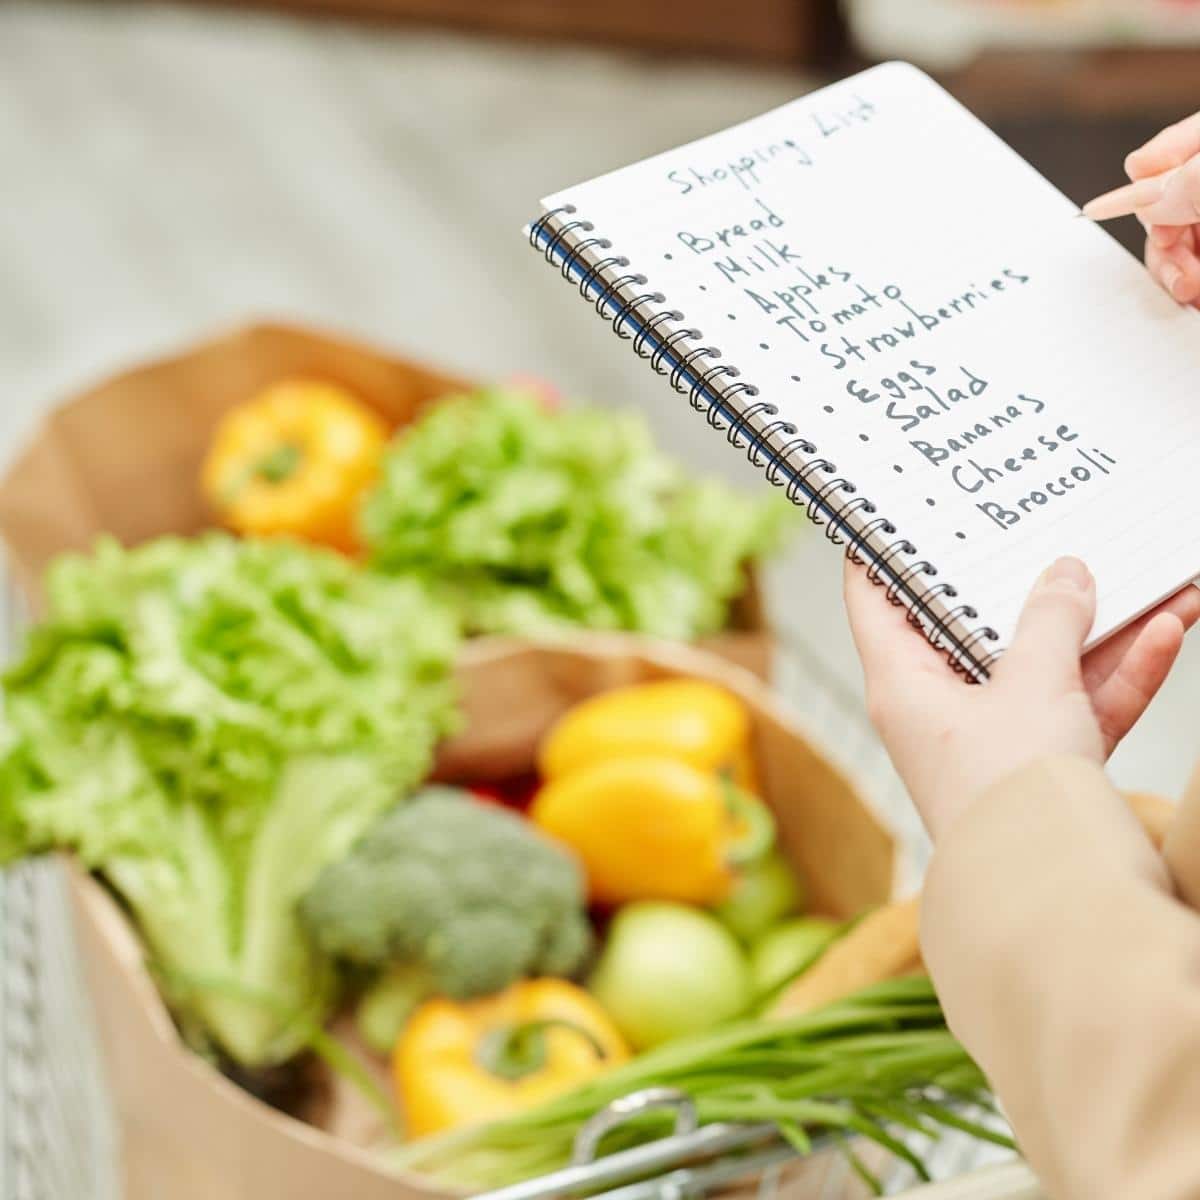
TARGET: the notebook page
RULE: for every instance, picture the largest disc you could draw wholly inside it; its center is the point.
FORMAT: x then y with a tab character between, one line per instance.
999	376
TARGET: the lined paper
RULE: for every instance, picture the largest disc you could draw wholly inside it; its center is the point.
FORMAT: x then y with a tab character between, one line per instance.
998	376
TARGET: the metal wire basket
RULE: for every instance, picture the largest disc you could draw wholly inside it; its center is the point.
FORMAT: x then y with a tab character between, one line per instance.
58	1138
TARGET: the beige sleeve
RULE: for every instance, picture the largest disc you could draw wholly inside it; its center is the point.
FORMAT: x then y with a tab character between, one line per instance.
1070	970
1181	848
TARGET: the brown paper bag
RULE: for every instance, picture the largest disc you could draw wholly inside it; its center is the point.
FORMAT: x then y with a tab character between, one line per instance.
190	1134
124	457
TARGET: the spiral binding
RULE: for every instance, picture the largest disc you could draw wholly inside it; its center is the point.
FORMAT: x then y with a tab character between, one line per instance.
810	482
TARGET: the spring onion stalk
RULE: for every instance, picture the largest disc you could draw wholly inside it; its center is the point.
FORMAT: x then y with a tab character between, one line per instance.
880	1065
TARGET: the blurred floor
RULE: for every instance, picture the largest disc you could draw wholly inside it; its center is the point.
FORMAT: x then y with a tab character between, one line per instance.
169	171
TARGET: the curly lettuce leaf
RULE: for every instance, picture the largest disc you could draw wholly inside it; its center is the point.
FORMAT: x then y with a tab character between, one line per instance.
529	521
207	723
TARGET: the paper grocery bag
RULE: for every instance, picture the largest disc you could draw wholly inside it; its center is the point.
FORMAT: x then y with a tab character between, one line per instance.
190	1134
515	690
124	457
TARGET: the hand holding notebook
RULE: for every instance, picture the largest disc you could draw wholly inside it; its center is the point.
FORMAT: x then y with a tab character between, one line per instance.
909	330
1041	702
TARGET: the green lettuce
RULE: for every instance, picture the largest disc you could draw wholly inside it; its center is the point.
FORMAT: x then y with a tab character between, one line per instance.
530	521
207	724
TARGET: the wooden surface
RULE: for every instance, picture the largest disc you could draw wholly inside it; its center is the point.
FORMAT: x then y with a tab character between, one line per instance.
794	31
1086	83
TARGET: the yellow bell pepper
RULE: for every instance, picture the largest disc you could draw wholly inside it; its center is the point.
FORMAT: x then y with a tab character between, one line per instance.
649	827
295	460
460	1064
688	719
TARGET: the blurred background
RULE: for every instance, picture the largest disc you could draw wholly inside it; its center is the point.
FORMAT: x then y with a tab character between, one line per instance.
365	165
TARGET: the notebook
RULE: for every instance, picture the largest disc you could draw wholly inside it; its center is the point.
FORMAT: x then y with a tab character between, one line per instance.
918	338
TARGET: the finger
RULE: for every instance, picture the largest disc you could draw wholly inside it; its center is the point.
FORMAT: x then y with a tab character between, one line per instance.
1100	663
1125	695
871	626
1154	260
1189	243
1180	273
1127	200
1179	200
881	631
1052	628
1165	236
1173	146
1174	270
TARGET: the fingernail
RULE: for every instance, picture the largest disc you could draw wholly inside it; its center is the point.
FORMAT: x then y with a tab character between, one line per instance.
1131	163
1070	571
1172	277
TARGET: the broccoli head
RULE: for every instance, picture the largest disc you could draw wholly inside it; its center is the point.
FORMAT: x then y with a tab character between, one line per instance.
465	890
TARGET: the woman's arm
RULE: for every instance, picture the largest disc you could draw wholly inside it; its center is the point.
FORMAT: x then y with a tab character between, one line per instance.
1065	962
1071	972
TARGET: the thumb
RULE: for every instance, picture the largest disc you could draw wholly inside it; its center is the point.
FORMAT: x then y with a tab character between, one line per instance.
1054	625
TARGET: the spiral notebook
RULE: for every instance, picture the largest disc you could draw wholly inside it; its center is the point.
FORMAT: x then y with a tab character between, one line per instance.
915	336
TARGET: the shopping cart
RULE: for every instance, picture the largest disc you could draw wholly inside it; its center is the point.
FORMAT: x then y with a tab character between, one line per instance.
58	1139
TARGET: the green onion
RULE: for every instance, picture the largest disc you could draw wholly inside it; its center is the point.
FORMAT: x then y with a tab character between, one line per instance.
875	1065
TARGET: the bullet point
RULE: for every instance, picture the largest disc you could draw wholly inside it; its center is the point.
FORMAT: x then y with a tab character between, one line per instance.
862	437
962	537
731	316
795	378
667	257
897	468
929	500
763	346
829	408
703	288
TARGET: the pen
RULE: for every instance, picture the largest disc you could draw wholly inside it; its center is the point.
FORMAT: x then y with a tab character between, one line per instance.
1159	200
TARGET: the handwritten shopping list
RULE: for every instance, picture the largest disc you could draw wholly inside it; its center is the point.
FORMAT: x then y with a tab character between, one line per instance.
996	375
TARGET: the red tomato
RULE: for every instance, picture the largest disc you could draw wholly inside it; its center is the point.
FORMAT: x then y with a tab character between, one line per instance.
546	394
512	793
487	791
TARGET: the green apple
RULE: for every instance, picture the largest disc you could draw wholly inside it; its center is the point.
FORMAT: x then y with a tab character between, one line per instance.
668	970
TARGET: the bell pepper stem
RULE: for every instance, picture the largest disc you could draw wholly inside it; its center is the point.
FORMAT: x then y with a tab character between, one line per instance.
276	466
281	464
513	1051
757	836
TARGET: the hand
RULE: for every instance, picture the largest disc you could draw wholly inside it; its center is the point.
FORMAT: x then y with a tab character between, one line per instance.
950	742
1173	241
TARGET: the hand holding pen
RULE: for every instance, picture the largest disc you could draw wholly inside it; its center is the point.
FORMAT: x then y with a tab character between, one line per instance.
1165	197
